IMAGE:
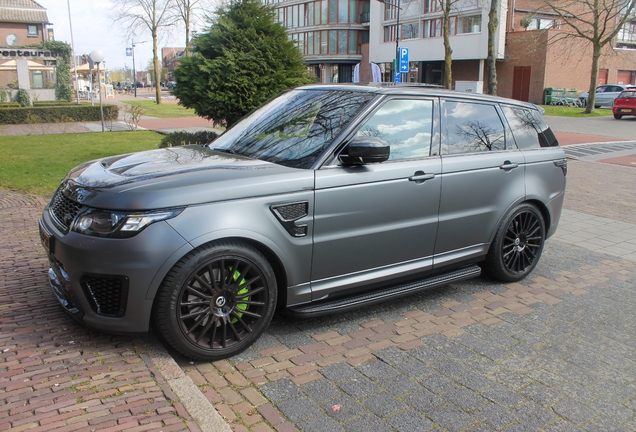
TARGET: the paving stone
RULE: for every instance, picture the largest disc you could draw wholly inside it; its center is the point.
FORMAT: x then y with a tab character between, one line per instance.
359	388
378	370
343	408
424	401
502	395
392	356
299	408
414	369
540	393
321	391
574	411
321	424
399	385
452	418
533	414
340	372
409	421
465	398
366	423
383	404
280	390
494	416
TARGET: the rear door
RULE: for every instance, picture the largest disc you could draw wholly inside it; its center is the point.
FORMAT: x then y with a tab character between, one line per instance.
377	221
482	178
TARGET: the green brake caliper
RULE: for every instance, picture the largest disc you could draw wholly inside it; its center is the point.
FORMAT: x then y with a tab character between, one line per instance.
239	306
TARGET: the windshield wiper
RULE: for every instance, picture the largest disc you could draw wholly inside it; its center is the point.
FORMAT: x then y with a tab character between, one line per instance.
222	150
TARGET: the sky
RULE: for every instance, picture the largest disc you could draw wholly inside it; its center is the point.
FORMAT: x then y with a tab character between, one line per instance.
94	28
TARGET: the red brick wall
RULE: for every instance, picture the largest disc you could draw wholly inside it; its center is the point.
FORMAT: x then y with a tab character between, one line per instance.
21	31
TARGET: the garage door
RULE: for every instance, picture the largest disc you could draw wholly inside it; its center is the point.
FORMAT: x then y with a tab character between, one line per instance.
624	77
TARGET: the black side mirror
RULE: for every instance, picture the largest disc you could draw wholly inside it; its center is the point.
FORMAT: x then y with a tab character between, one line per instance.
365	149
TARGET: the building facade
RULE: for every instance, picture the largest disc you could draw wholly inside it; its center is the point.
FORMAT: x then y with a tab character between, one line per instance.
24	23
335	35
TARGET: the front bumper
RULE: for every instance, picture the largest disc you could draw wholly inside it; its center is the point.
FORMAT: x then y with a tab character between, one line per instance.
110	284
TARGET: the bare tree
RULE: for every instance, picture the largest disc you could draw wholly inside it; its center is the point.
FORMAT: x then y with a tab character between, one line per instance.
151	15
187	11
491	61
447	7
595	21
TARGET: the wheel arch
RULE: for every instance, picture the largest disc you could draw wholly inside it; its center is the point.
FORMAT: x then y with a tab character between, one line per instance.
547	220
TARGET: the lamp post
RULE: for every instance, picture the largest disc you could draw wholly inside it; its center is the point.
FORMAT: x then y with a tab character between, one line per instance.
396	62
97	56
133	43
70	24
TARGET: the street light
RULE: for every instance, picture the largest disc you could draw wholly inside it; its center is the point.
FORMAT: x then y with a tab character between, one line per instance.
133	43
97	56
397	37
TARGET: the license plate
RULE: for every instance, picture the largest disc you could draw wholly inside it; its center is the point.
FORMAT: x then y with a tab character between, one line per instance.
626	110
46	239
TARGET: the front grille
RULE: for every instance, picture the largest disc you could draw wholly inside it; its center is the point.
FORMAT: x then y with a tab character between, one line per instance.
107	295
63	210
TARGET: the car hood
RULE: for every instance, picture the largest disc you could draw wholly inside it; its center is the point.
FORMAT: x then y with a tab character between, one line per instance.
178	176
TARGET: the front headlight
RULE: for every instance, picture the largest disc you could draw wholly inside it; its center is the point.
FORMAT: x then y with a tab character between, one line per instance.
115	224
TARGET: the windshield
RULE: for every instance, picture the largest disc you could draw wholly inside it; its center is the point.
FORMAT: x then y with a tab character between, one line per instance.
295	128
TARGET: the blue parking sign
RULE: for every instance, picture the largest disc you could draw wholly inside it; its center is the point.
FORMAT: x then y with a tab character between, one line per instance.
404	59
129	52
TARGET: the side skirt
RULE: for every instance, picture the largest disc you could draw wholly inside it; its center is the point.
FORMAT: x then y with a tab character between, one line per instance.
368	298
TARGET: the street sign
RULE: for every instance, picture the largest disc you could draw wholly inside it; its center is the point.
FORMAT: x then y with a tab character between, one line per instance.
128	52
398	77
404	59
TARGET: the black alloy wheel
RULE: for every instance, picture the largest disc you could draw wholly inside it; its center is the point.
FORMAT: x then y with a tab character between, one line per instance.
518	244
216	301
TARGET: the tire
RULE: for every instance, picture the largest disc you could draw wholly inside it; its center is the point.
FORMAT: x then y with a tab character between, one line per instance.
618	116
216	301
517	246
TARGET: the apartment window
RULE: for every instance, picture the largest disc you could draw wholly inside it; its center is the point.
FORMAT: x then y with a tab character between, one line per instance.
432	28
541	23
469	24
431	6
32	30
389	33
626	37
410	31
390	12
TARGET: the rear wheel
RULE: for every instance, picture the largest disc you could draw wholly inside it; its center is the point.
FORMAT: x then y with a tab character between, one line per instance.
618	116
216	301
518	244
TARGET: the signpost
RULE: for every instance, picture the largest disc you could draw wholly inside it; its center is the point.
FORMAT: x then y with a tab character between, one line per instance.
404	60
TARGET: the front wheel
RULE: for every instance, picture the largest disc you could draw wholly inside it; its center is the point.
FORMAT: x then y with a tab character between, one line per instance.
618	116
216	301
518	244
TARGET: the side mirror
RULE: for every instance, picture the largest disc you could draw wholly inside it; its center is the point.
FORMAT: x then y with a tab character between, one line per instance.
364	149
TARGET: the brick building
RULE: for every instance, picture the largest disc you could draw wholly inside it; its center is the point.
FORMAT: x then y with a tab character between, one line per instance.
24	23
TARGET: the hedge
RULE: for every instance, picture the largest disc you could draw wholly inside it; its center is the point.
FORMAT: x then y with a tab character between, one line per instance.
56	103
9	105
184	138
57	114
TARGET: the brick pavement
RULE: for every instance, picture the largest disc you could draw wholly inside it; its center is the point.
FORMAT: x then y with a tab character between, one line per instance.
553	352
56	375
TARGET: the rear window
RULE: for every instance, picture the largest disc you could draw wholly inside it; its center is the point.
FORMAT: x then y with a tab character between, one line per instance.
529	128
627	95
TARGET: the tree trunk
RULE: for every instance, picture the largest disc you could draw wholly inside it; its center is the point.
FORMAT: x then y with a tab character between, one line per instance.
448	51
493	23
155	62
591	96
187	29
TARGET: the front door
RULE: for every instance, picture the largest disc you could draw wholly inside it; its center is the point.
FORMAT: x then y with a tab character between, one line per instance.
521	83
378	221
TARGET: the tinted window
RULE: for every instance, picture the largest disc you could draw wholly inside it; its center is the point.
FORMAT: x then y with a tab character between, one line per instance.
405	124
295	128
472	127
524	127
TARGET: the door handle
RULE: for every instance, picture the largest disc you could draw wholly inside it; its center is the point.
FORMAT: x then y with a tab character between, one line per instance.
421	177
507	165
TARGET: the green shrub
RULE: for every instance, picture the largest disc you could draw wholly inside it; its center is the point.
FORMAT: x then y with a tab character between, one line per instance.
56	103
5	95
184	138
23	98
9	104
57	114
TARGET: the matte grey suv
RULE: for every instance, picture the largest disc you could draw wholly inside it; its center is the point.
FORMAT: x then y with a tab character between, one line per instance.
327	198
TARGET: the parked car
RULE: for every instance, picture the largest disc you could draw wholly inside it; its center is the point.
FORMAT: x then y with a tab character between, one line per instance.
625	104
324	200
605	94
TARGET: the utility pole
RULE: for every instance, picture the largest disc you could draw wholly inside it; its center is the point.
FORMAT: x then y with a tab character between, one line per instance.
396	61
134	70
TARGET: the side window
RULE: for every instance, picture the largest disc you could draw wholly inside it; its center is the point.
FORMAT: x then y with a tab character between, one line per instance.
472	127
405	124
524	127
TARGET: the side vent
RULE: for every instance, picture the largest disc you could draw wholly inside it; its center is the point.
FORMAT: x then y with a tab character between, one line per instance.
288	214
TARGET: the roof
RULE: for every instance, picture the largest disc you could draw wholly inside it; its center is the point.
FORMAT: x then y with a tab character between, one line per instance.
413	89
22	11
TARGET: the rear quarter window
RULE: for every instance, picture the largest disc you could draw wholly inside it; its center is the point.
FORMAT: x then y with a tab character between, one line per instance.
529	128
